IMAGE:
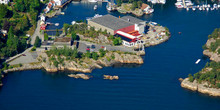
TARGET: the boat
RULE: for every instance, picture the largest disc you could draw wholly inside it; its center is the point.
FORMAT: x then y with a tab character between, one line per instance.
179	6
97	15
197	61
193	8
200	8
162	1
62	13
92	1
207	9
57	24
95	7
153	1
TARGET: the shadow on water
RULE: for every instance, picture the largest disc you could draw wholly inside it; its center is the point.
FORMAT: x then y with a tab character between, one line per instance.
120	65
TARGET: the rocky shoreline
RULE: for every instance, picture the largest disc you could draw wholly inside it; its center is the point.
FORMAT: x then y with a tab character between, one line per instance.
214	56
202	88
85	66
157	43
125	10
205	87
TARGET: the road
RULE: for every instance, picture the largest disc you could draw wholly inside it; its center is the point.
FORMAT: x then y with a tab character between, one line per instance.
36	33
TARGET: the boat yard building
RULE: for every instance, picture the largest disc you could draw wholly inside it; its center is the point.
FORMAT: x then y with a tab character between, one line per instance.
128	28
113	24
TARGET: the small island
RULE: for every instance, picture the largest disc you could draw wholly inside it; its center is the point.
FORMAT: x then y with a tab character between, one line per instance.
208	79
137	8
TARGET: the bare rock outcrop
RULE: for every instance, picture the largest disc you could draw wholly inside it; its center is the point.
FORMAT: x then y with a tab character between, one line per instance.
83	76
202	88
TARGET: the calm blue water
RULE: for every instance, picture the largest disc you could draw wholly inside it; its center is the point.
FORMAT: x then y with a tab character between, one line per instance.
151	86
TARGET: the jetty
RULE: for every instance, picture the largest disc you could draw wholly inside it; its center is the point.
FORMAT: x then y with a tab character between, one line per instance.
61	6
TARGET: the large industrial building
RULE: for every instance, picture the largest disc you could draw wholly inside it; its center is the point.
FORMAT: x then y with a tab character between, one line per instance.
113	24
128	28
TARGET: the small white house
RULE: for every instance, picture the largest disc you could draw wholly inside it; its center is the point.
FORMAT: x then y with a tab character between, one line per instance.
4	2
60	2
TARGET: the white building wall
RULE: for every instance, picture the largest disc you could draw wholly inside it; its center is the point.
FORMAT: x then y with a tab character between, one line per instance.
4	2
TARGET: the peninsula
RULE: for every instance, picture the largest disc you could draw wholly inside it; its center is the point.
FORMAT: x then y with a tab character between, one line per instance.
101	41
208	79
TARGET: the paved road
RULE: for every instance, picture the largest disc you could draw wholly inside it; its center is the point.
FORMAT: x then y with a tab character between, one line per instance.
36	33
83	45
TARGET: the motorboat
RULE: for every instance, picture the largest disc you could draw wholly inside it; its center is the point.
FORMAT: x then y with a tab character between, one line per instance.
93	1
197	61
56	24
193	8
95	7
207	9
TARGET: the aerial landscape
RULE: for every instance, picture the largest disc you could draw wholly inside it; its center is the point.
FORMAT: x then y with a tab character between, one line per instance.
109	54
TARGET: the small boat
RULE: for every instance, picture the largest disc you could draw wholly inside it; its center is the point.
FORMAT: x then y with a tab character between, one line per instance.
92	1
179	6
97	15
197	61
95	7
207	9
180	32
193	8
62	13
208	5
57	24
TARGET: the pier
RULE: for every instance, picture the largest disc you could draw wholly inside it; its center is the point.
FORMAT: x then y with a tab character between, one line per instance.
57	7
53	30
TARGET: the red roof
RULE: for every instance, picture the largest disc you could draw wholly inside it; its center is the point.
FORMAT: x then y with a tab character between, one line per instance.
134	33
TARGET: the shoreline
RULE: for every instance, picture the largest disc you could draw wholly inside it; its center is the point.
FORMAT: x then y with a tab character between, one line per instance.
205	86
195	86
75	67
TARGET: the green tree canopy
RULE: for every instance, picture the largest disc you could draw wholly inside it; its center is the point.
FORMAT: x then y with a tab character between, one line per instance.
37	42
46	36
3	10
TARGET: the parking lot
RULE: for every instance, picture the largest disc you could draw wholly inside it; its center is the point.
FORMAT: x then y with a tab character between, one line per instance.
83	47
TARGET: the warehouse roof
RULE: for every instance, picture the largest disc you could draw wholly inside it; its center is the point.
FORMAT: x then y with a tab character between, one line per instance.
132	19
111	22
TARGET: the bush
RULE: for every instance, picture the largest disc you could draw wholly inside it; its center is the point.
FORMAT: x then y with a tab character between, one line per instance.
204	47
37	42
190	78
102	52
33	48
95	56
46	36
218	85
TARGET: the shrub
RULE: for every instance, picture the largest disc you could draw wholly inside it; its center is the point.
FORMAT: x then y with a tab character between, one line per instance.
95	55
190	77
33	48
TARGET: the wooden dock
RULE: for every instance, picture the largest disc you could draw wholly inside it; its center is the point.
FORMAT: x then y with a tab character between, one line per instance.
53	30
57	7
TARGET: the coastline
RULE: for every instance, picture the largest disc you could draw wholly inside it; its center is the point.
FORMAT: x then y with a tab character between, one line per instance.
195	86
205	86
87	67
